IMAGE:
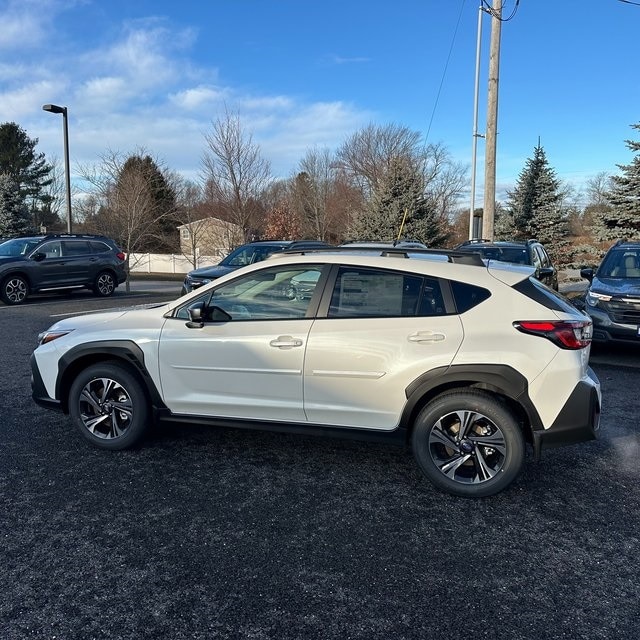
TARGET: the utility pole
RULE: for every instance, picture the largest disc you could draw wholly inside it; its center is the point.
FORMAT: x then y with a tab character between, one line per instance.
492	124
474	148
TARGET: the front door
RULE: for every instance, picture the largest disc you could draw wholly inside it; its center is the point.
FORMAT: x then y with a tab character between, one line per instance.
249	364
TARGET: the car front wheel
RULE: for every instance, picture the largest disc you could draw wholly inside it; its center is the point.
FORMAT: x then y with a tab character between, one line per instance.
105	284
15	290
109	407
468	443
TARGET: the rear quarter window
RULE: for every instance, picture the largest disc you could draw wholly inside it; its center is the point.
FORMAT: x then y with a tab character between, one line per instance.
547	297
467	296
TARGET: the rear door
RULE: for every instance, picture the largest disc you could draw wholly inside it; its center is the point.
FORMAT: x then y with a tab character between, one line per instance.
78	260
382	330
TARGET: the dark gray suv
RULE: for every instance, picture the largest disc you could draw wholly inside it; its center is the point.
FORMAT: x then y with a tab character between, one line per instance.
529	252
52	262
613	297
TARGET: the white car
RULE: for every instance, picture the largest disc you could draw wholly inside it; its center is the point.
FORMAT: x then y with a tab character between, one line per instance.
465	362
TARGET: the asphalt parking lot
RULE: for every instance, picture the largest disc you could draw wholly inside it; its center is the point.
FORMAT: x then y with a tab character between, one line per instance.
211	533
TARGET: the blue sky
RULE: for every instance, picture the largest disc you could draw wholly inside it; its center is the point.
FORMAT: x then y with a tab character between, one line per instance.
155	74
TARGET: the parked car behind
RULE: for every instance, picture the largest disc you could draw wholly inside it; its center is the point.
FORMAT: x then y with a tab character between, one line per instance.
464	362
529	252
374	244
613	297
242	256
59	261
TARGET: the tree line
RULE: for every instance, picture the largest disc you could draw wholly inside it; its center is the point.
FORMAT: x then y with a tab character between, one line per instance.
382	183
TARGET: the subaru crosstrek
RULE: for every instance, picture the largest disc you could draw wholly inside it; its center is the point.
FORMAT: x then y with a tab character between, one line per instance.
467	363
56	262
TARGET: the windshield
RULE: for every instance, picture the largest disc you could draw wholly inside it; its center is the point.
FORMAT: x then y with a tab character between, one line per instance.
516	255
18	246
622	263
248	255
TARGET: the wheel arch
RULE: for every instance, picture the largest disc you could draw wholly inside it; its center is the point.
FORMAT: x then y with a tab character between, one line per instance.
16	272
124	353
502	381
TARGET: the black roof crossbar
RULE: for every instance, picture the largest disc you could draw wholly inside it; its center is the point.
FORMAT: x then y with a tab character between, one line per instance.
459	257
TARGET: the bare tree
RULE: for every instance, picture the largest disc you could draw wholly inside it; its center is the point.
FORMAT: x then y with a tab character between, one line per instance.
597	189
366	155
126	205
235	173
370	155
312	191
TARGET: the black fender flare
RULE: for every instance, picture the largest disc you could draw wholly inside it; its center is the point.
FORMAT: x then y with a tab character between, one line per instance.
496	378
125	351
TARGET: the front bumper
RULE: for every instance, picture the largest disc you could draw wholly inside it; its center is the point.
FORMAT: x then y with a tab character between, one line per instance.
39	391
190	284
578	421
605	329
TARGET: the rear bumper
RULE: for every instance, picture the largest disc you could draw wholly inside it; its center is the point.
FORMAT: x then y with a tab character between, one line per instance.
578	421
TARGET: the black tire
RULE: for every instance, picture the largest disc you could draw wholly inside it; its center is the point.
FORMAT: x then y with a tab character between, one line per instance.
483	460
109	407
15	290
105	284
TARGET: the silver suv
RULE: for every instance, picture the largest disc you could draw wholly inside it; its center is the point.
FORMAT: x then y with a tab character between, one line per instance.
466	363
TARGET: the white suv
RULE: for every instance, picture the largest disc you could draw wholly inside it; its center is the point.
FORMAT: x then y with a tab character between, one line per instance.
466	362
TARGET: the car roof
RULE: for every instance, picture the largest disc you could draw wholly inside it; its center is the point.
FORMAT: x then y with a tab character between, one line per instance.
478	244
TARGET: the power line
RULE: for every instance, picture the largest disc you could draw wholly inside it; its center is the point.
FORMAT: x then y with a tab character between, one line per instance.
489	9
444	73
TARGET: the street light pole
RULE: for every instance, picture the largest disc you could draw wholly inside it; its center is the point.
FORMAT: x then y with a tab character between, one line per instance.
54	108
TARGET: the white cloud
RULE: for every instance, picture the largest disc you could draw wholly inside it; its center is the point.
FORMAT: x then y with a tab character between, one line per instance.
22	25
142	89
196	98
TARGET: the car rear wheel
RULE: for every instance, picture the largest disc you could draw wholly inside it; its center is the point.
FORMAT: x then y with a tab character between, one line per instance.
468	444
109	406
105	284
15	290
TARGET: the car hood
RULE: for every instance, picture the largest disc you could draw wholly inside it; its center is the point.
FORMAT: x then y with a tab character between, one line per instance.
214	271
616	286
135	314
11	259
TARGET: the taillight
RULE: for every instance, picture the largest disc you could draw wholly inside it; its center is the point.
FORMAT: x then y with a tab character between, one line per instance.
567	334
121	256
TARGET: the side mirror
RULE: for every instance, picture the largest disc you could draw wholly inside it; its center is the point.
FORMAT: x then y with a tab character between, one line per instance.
195	316
39	257
545	272
587	274
198	313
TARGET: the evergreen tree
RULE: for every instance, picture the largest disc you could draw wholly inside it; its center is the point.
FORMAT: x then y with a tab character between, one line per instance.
535	207
399	206
159	201
19	159
622	220
14	213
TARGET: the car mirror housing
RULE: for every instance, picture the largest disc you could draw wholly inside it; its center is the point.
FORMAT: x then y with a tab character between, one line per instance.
587	274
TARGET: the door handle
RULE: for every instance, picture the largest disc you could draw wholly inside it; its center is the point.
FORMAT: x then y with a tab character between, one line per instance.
426	336
285	342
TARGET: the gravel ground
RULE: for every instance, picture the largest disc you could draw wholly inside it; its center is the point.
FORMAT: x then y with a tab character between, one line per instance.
204	533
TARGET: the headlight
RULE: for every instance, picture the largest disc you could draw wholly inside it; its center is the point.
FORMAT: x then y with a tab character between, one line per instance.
50	336
593	298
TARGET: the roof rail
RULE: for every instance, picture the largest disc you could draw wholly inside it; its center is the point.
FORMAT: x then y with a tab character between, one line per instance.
475	241
452	255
